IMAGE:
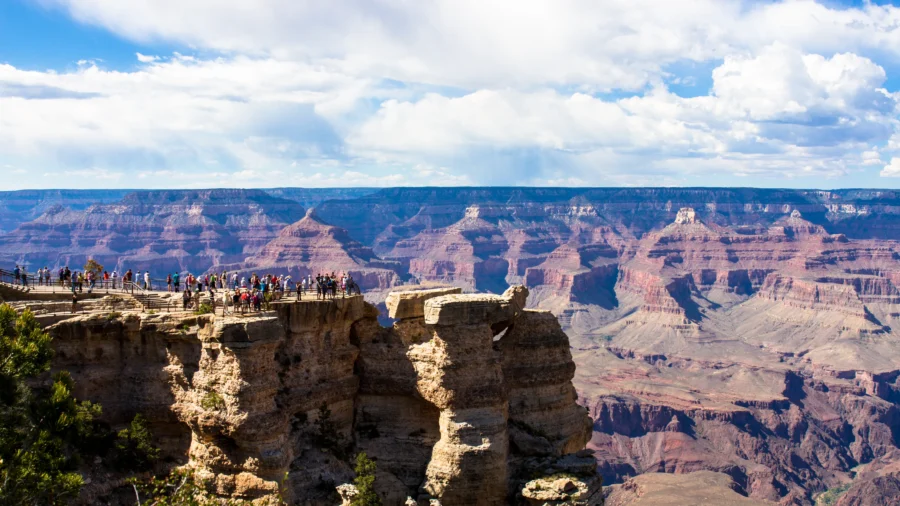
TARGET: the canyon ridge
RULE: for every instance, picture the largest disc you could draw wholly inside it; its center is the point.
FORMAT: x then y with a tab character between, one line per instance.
681	345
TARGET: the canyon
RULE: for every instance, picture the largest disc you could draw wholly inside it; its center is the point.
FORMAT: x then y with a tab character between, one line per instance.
738	343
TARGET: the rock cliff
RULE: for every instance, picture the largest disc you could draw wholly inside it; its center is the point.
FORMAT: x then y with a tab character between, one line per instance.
466	399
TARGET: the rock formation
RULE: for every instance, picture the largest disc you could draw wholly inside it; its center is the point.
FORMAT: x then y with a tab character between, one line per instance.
466	399
310	247
163	231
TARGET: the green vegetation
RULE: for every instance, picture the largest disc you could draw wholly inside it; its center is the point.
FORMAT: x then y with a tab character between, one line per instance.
204	309
212	401
831	496
134	448
113	315
365	482
43	431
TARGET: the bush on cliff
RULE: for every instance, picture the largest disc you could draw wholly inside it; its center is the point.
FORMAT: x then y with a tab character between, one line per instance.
204	309
43	431
134	448
365	482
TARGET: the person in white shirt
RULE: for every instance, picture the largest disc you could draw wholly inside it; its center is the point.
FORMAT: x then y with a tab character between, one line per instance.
147	280
114	276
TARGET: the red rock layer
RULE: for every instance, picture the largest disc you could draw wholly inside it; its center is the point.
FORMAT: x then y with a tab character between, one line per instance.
310	247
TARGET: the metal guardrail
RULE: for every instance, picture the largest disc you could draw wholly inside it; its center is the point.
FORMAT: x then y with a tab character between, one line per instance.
9	278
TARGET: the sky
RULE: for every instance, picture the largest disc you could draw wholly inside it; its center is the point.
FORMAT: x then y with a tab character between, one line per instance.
315	93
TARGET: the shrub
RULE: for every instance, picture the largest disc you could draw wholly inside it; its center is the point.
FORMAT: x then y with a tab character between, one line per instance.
113	315
212	401
365	482
134	448
204	309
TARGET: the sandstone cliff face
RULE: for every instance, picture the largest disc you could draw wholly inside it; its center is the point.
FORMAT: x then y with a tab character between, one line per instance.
447	411
495	415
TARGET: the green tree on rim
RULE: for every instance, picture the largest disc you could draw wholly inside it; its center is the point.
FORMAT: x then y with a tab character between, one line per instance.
43	430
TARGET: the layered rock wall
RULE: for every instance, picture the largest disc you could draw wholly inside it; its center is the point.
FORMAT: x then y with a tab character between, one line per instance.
464	399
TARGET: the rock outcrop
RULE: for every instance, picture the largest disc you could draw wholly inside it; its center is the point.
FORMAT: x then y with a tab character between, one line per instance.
464	400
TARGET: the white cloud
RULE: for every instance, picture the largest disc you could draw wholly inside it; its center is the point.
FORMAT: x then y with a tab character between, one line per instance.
871	157
892	169
375	91
490	43
778	113
146	58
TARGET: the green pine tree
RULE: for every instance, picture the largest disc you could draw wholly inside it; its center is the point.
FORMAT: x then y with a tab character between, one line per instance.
365	482
43	431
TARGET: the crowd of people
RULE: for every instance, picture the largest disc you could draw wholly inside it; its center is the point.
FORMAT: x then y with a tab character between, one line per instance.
66	278
239	293
243	294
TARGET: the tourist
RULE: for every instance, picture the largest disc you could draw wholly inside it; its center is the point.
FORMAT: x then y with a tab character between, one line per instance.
186	299
351	285
169	283
17	274
74	302
245	302
226	299
24	278
115	276
176	280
